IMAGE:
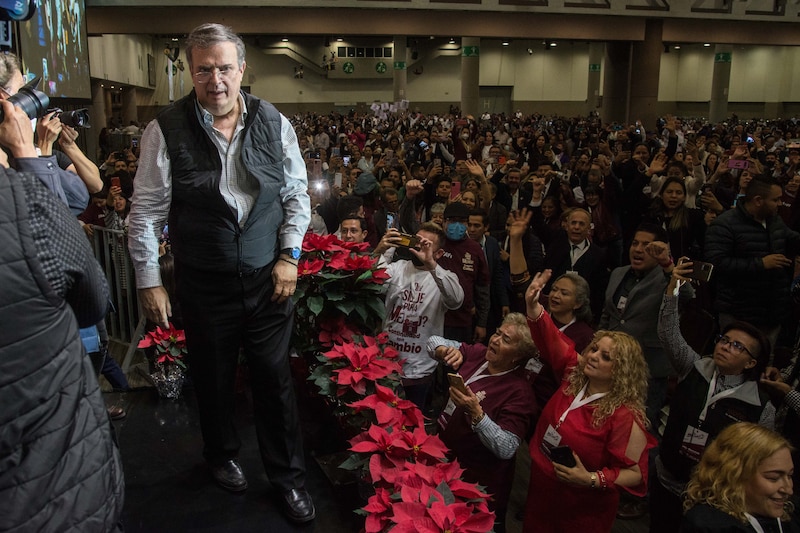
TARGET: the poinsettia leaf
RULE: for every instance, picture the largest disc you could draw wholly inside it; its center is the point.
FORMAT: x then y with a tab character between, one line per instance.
444	489
346	306
354	462
334	295
377	307
315	304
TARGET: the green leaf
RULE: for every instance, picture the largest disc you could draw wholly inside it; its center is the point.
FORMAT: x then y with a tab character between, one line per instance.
444	490
315	304
346	306
377	307
335	295
355	461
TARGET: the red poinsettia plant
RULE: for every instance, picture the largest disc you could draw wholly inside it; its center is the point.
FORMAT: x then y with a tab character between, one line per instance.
170	345
339	288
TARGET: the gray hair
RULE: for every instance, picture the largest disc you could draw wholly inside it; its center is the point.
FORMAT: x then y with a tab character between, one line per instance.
9	65
582	292
525	347
210	34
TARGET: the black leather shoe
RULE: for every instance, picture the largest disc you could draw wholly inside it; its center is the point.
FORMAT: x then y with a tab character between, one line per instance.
298	506
229	476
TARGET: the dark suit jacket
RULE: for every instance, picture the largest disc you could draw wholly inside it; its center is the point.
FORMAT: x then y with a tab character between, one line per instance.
498	295
498	215
640	317
591	266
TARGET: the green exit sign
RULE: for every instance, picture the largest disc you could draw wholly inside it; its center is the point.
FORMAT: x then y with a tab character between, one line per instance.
594	67
470	51
399	65
722	57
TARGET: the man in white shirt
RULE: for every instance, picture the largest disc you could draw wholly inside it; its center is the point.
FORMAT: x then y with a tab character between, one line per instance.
418	294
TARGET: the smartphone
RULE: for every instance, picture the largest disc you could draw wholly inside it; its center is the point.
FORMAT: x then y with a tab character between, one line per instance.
701	271
423	145
457	382
346	160
437	162
562	455
115	182
135	143
455	189
337	179
408	241
335	151
738	163
390	220
316	168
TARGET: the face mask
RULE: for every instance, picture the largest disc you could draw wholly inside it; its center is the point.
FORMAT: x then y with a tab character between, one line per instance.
465	136
456	231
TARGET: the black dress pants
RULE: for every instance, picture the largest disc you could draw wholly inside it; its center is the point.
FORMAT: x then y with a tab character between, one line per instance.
223	312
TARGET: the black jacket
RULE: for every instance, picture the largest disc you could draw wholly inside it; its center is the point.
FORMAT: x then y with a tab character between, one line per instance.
735	245
59	468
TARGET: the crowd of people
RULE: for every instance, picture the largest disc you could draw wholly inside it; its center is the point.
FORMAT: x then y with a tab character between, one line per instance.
630	226
549	260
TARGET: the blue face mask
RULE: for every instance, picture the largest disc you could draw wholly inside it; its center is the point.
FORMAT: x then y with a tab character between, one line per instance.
456	231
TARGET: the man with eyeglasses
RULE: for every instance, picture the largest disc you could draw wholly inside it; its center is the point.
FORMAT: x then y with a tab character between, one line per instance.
712	393
225	169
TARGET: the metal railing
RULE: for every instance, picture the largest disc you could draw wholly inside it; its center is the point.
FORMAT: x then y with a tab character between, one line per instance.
125	321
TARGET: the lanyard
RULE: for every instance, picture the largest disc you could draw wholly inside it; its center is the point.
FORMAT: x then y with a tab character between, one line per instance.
757	526
711	398
580	401
565	326
477	375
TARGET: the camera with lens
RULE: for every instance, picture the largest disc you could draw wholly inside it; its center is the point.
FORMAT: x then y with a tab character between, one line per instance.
31	100
78	118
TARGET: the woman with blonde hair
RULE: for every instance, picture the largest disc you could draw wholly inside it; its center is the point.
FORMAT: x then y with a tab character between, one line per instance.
591	439
743	483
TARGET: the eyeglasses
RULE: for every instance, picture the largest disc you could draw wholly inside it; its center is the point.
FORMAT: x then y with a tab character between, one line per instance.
736	346
204	74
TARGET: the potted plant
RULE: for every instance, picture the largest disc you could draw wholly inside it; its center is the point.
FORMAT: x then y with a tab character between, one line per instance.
170	352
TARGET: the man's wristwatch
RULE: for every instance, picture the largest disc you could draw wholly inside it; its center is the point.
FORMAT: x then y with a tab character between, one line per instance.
293	253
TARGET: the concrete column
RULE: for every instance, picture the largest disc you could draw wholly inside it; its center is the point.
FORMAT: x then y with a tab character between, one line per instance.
720	83
616	81
400	71
130	109
646	66
470	76
593	100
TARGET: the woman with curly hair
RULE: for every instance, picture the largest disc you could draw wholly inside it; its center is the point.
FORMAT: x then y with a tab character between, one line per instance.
742	484
590	442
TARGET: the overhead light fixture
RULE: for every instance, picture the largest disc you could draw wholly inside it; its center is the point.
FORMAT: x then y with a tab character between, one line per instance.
677	47
553	44
706	44
506	42
339	39
285	40
530	51
452	40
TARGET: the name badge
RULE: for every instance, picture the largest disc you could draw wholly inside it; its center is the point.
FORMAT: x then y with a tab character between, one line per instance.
694	443
534	365
449	408
551	440
573	272
623	301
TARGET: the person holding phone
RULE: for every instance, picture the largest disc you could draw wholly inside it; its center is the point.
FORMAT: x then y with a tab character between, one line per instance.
598	412
712	393
484	422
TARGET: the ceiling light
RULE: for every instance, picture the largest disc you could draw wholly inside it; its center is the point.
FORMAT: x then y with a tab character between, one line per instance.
339	39
706	44
285	40
553	44
506	42
452	40
677	47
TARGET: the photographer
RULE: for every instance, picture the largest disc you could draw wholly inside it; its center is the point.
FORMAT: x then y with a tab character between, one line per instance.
71	186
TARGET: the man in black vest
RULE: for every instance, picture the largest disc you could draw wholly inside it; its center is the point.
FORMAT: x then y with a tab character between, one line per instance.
226	169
